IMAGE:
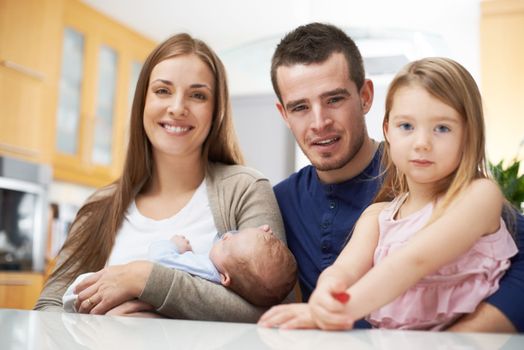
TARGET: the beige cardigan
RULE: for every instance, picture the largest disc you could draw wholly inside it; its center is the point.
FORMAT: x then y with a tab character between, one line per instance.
239	197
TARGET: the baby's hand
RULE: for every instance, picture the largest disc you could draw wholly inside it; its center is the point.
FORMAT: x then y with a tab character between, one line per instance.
181	243
265	228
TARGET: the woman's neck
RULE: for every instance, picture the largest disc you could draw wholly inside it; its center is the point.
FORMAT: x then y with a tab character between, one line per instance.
173	176
172	185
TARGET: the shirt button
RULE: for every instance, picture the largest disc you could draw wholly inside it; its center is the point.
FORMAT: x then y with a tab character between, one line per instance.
325	225
332	205
325	247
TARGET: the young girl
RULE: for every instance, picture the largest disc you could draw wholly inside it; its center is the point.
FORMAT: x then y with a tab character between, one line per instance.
433	246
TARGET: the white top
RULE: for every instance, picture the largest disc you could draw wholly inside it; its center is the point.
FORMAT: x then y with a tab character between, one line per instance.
194	221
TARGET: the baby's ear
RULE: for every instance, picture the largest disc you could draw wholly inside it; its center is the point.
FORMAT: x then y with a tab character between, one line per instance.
225	280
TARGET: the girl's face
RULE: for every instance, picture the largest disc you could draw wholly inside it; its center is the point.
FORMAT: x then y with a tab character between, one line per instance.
179	106
425	136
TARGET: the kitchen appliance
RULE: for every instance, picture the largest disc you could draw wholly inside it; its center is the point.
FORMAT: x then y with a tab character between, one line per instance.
23	214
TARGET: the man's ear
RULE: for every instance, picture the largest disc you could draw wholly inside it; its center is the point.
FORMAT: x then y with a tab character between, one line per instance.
366	95
225	280
283	113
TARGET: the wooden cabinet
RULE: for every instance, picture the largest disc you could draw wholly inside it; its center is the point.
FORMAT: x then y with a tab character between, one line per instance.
29	53
67	73
20	290
502	72
99	67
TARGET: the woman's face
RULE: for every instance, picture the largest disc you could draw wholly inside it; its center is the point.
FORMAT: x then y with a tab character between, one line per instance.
178	111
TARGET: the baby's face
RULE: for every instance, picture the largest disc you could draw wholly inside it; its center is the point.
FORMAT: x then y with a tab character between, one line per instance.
233	245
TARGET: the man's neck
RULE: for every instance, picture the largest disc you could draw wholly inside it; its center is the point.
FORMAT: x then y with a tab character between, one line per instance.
354	167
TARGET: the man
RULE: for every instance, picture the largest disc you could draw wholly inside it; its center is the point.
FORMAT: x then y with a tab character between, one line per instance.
318	76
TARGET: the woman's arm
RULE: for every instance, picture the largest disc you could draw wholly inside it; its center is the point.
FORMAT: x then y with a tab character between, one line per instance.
475	213
250	203
239	198
51	296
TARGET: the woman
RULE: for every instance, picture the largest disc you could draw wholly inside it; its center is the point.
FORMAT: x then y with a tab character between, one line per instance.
182	168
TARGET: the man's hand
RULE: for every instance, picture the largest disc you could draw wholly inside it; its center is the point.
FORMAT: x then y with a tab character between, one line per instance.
288	316
486	318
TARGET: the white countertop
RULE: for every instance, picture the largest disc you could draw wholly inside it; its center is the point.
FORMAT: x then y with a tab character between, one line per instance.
29	330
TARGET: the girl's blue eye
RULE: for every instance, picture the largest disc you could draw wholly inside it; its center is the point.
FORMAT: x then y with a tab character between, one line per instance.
442	129
406	126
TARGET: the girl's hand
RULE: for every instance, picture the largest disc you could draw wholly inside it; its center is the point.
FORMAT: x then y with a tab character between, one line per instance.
288	316
112	286
328	305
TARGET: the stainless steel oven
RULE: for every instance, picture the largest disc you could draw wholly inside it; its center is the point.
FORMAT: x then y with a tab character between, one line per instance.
23	214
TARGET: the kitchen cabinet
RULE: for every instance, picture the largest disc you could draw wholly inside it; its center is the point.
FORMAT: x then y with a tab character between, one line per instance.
99	67
20	290
502	69
67	73
29	54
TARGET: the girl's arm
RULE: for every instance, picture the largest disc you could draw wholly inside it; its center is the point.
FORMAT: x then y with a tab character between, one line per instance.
475	213
353	262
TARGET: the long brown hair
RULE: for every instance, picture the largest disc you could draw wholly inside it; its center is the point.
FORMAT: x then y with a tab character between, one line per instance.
94	229
451	83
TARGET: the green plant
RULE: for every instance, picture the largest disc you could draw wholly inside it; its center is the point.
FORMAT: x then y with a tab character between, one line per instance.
511	184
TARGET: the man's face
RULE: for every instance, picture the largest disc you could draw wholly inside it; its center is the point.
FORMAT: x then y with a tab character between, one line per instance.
324	110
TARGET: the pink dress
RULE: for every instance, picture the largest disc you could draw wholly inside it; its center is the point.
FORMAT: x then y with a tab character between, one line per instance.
455	289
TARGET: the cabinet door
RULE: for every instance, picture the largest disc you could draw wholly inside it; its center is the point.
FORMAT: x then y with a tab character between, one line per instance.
29	39
20	290
21	114
90	149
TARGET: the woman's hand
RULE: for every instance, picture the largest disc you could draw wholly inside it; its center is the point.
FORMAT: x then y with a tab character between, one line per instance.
112	286
134	308
288	316
328	304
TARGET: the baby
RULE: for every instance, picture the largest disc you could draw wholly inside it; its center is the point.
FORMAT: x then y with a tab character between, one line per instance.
251	262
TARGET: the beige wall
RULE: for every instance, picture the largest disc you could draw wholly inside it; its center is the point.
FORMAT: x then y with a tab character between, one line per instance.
502	74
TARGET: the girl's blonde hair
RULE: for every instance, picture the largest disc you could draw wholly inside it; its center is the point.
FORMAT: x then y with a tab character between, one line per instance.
451	83
97	222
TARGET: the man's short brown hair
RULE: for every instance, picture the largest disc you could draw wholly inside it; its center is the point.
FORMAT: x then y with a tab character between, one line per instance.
315	43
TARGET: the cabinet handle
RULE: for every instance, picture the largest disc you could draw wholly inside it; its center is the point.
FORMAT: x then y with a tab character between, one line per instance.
15	283
23	69
19	150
